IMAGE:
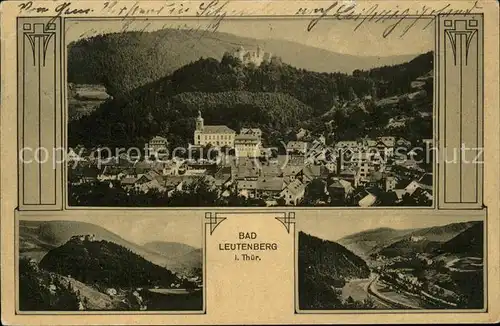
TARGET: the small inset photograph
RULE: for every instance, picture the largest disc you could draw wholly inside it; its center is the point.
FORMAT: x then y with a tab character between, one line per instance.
391	262
110	263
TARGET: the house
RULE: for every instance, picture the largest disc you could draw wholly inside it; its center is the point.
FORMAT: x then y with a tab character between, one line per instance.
110	172
290	160
296	147
142	167
128	183
157	146
368	143
399	194
421	192
271	170
223	177
375	179
293	192
414	185
348	175
347	145
390	183
245	169
291	172
170	184
247	188
388	141
252	132
364	164
311	172
247	145
336	191
368	200
82	174
171	168
143	183
302	133
317	153
269	187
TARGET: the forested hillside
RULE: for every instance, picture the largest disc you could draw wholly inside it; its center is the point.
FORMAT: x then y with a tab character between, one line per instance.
125	61
323	266
275	96
106	264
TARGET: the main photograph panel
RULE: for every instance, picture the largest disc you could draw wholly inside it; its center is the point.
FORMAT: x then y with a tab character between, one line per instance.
249	113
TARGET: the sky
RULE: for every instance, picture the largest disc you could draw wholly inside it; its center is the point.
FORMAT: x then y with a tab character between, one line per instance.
341	36
140	228
337	224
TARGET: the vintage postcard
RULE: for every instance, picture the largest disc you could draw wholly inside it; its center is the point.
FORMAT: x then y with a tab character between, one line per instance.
250	162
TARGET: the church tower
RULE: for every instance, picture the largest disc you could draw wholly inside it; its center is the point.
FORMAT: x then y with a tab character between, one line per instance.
199	122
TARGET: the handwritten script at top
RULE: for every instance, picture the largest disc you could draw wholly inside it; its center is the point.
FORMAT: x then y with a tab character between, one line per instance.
215	11
396	17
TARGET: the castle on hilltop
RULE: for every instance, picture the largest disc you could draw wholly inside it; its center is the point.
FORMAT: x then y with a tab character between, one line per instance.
86	237
251	57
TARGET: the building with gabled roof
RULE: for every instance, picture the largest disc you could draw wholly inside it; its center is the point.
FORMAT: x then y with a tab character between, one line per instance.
293	192
296	147
215	135
251	131
269	186
247	145
157	146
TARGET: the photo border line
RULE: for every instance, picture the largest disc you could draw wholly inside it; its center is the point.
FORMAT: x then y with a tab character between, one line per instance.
484	310
17	217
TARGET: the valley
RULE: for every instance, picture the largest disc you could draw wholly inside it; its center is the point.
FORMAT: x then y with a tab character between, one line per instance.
408	271
81	266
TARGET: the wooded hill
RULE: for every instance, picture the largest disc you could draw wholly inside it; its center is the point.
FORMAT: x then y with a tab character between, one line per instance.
275	96
125	61
322	266
105	264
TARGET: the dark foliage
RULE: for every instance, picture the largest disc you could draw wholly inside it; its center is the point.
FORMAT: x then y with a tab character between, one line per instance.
35	293
106	264
275	97
324	266
470	242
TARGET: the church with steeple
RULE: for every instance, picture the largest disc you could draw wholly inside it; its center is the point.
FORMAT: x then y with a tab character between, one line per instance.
215	135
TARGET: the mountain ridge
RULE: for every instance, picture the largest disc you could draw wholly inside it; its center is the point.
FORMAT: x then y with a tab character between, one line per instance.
41	236
368	242
105	263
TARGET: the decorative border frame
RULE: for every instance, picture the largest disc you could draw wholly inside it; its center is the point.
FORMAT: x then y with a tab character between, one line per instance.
44	33
460	45
213	220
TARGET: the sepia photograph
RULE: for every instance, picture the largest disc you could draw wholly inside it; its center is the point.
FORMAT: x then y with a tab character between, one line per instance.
249	162
197	113
117	263
404	262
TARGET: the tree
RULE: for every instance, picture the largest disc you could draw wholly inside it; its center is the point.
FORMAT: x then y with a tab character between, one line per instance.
315	192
